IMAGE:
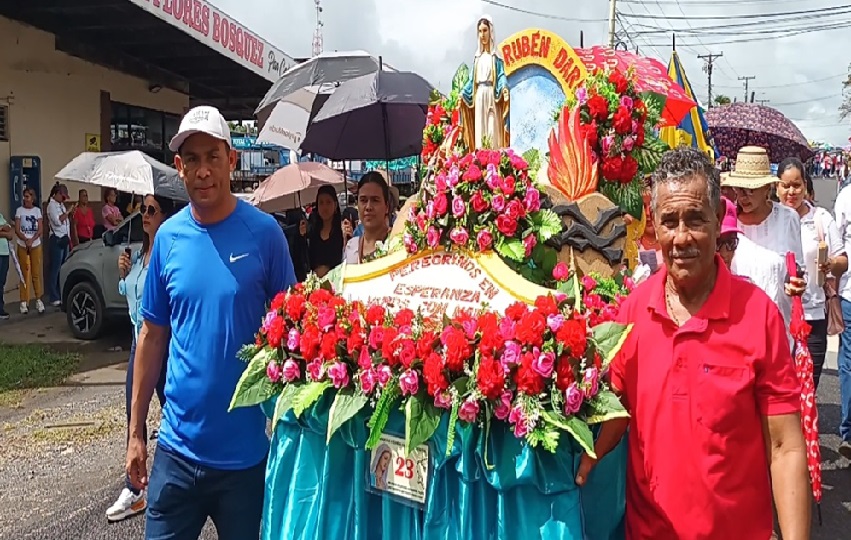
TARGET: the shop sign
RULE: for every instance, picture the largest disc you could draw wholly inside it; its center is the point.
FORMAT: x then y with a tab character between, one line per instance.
220	32
535	47
92	142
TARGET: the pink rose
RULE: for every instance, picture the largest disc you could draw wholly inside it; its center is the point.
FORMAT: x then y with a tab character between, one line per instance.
518	418
431	213
410	243
458	207
441	183
268	320
511	354
498	203
560	271
409	382
544	364
628	143
503	407
478	202
339	374
273	371
606	143
572	399
484	239
376	337
589	283
507	328
293	339
316	370
532	200
454	176
560	297
492	177
591	382
443	400
627	102
368	380
440	205
291	371
326	317
432	237
554	322
459	236
529	243
384	374
469	410
364	359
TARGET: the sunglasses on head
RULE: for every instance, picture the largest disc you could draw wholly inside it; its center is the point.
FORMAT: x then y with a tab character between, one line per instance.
149	209
729	243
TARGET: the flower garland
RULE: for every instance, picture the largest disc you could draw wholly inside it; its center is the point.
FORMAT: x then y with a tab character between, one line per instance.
620	125
540	368
481	201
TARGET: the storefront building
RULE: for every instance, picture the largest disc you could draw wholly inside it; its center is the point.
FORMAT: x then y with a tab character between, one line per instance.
115	75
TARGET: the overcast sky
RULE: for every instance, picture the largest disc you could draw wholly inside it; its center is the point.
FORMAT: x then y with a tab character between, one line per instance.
800	74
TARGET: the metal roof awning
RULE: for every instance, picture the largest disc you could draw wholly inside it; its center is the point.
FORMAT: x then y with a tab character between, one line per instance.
186	45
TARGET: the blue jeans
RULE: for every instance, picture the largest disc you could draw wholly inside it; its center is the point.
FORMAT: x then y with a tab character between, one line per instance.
57	252
4	269
182	495
128	392
844	360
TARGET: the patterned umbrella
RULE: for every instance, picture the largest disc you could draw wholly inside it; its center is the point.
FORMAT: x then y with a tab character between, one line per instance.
651	75
804	367
747	124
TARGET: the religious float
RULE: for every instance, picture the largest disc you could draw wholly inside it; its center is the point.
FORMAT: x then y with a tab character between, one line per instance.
448	388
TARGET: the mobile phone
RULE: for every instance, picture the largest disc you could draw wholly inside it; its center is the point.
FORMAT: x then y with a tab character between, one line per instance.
128	251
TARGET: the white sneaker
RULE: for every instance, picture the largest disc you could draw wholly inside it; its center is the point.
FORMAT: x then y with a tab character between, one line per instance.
24	308
127	505
56	303
39	306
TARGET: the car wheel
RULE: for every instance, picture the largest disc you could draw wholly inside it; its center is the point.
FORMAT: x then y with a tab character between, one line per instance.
85	311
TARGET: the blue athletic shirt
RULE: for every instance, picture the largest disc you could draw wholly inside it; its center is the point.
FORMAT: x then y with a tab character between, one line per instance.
211	285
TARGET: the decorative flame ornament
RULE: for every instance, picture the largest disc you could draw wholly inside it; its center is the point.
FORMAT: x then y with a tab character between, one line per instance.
572	170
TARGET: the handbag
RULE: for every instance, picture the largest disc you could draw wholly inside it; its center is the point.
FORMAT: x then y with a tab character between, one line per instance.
832	304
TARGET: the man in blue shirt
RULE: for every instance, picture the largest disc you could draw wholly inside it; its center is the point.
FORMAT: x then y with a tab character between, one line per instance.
213	268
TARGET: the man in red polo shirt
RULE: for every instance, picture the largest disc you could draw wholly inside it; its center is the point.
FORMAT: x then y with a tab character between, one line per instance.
707	377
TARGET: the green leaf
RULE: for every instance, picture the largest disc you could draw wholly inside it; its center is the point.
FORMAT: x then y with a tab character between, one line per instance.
549	260
582	433
307	395
381	414
548	222
421	421
460	78
626	196
605	406
512	249
533	158
247	352
334	278
254	386
609	337
346	404
450	430
284	403
548	438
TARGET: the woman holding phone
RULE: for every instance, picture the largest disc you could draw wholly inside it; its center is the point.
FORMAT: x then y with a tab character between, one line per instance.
134	268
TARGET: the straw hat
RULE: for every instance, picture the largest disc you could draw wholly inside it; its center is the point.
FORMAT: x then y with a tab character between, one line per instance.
752	169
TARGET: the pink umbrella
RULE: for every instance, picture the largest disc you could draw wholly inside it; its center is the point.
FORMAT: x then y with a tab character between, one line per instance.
295	185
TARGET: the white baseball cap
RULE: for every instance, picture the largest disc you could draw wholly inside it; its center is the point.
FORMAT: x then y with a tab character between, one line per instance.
201	119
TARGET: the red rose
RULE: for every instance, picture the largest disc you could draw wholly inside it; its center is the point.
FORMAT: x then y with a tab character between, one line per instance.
472	174
506	225
457	348
355	340
612	168
403	318
407	352
622	121
516	311
490	378
619	81
309	343
508	185
629	169
546	305
598	106
589	132
375	315
478	202
530	329
492	340
441	204
564	373
390	346
515	210
639	137
527	379
434	375
295	306
278	302
275	332
320	297
328	347
573	334
426	344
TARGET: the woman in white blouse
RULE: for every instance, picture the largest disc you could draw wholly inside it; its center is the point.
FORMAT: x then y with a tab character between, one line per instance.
374	212
817	225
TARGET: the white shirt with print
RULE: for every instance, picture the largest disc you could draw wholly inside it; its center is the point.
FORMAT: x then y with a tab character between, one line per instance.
28	217
55	209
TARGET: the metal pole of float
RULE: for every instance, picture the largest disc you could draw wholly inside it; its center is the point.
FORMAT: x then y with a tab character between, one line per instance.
581	39
613	14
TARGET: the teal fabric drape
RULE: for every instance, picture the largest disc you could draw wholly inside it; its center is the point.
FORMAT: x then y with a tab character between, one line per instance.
489	488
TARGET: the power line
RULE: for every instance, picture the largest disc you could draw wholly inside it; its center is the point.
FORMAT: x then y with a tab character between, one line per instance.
539	14
776	35
765	27
749	16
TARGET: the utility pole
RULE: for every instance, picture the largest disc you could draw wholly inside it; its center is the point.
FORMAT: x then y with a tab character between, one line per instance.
613	15
317	33
709	60
747	79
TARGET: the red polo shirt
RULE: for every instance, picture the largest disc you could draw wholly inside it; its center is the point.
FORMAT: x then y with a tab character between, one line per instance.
697	394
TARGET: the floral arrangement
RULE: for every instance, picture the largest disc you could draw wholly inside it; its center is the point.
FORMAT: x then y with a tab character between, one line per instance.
443	121
481	201
620	126
538	368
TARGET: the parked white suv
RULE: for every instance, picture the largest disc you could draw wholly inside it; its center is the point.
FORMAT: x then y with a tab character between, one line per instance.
89	279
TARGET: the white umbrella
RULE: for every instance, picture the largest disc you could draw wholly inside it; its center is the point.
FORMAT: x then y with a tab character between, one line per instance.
130	172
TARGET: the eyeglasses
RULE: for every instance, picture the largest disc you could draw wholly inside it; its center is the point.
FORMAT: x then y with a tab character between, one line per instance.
149	209
730	244
744	191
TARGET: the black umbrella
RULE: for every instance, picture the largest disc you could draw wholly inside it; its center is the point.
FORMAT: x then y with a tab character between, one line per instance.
377	116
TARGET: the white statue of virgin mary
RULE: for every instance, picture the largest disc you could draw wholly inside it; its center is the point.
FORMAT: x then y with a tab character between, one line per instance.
484	99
